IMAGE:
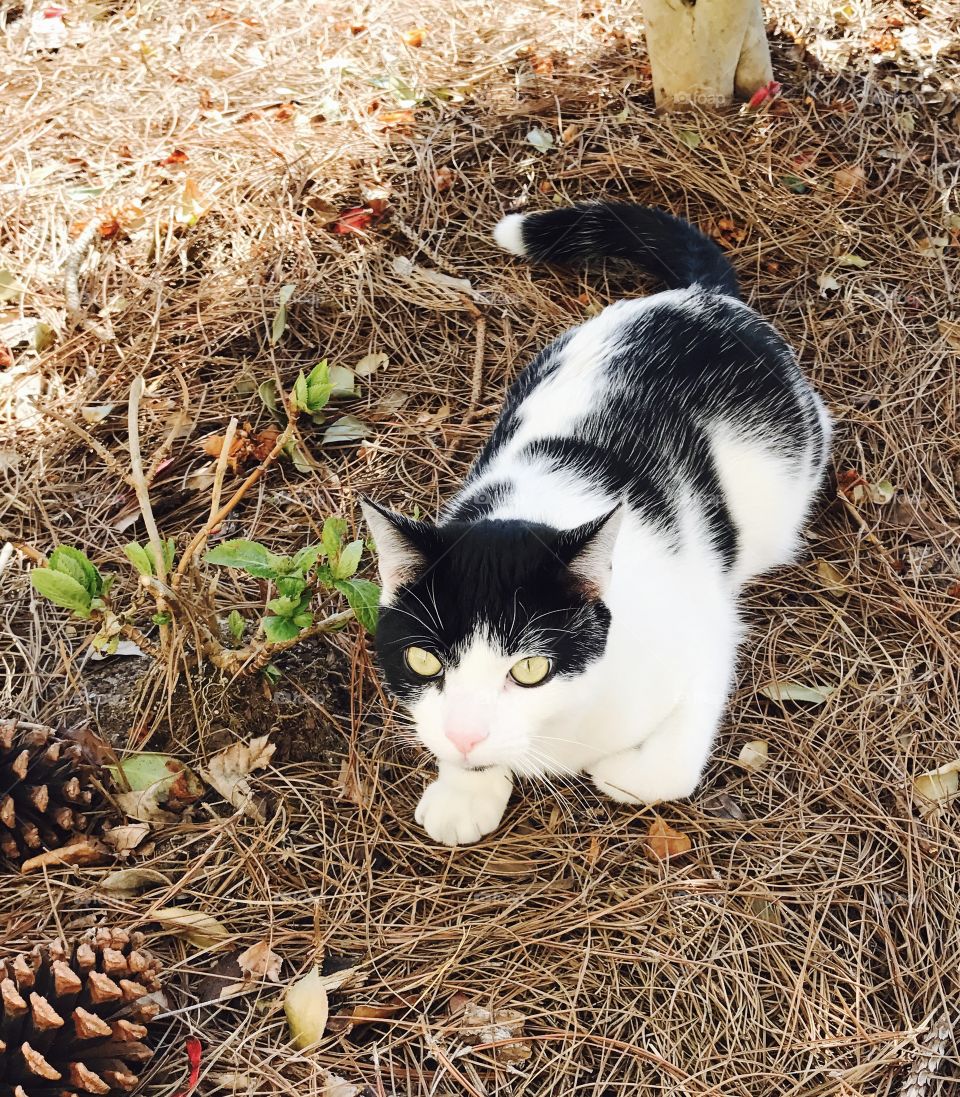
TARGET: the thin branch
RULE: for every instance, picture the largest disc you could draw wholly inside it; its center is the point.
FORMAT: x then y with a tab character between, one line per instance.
216	518
248	660
101	450
173	432
71	282
139	480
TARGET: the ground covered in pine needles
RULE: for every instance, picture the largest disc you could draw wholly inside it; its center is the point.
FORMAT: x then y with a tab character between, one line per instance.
809	940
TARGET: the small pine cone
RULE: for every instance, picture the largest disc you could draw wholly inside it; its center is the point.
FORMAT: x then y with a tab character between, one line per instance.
45	790
930	1054
75	1019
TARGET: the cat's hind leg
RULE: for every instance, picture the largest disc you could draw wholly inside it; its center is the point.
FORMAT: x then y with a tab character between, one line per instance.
667	765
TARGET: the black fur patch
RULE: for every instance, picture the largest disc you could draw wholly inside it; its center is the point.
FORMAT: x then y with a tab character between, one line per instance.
671	249
507	578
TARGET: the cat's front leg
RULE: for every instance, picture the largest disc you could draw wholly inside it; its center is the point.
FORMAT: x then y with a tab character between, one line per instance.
667	765
462	805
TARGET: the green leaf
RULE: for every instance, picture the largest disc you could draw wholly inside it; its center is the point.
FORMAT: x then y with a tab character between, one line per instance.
65	558
301	393
794	183
169	550
307	557
690	138
349	560
161	618
304	620
292	586
302	461
348	428
333	530
268	394
363	598
279	629
236	623
856	261
67	565
319	387
139	557
280	320
272	673
10	288
284	607
248	556
62	589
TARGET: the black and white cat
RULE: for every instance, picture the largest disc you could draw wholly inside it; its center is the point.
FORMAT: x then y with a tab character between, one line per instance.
575	606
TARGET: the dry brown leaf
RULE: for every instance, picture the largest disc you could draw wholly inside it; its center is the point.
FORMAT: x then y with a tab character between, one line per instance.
396	119
935	787
831	578
134	880
353	787
444	178
79	851
850	180
920	524
196	926
229	769
260	962
414	36
124	839
479	1025
754	755
345	1020
663	842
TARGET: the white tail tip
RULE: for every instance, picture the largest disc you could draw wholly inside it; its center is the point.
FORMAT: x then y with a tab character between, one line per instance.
509	234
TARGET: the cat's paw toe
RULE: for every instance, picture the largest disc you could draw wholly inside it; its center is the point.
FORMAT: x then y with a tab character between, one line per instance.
455	818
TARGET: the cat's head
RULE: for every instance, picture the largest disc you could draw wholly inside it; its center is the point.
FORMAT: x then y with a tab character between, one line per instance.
488	628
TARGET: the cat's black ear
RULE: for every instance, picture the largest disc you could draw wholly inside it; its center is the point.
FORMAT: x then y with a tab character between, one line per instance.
587	550
398	540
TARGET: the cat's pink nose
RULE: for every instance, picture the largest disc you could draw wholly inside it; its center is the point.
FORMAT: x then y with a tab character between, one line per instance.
465	739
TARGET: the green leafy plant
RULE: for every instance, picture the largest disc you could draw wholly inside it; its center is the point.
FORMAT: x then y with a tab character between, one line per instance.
297	579
186	612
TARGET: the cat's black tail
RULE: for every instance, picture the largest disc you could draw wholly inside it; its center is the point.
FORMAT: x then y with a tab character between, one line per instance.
659	243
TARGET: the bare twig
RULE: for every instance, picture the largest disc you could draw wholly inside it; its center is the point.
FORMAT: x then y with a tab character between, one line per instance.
71	282
160	456
139	481
216	518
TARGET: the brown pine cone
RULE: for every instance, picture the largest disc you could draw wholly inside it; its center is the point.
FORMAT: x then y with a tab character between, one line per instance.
45	790
75	1018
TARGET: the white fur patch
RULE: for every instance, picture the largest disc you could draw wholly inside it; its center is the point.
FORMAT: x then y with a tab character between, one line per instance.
508	233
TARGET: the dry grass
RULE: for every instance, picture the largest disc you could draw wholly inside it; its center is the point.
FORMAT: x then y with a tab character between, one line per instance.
812	938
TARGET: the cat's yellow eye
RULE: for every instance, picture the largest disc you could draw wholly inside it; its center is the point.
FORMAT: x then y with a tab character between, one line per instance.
530	671
423	663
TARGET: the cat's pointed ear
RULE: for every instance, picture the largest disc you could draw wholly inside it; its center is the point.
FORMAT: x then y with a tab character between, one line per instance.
399	557
588	550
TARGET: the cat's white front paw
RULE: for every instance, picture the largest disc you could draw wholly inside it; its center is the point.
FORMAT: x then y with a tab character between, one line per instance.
644	777
460	807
